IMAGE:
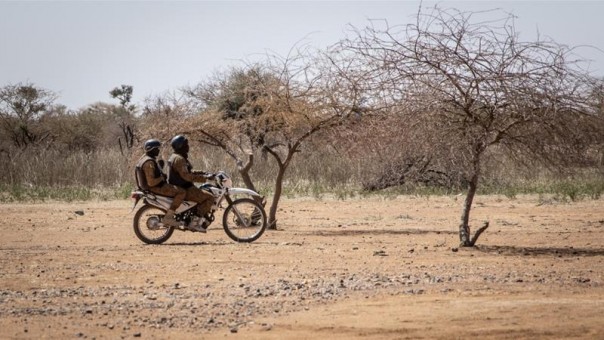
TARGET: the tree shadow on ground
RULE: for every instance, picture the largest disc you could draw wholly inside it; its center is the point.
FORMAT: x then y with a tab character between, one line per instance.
377	232
540	251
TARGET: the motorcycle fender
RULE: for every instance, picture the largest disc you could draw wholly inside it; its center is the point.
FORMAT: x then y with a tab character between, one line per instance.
243	191
136	196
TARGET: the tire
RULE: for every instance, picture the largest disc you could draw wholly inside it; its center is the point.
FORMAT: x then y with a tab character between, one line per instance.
254	223
145	218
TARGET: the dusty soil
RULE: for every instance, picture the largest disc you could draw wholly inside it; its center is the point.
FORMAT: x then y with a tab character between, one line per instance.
377	268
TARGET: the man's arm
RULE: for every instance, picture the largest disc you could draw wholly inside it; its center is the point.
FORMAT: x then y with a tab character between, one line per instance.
198	172
180	166
149	170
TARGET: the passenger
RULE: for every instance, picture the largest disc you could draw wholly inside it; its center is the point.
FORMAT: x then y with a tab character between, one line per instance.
150	177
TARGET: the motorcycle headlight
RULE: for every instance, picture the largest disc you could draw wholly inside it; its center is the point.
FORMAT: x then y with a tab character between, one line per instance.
227	183
224	179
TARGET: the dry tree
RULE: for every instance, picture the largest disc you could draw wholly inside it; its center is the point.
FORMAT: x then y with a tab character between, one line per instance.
271	106
468	83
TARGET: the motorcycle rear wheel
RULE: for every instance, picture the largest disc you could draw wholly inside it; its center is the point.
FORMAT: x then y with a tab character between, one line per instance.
244	220
147	226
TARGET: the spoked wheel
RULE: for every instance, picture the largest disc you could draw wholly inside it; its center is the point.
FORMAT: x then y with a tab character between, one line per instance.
244	220
148	227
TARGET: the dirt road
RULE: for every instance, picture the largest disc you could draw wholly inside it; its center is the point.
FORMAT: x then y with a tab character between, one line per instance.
371	268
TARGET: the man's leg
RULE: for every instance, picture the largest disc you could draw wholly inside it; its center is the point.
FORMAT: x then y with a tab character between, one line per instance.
204	199
178	195
204	202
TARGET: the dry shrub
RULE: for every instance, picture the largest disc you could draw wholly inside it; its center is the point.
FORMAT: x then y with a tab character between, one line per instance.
53	167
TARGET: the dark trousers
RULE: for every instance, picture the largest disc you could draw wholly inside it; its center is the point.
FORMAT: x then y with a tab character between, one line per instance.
173	191
204	199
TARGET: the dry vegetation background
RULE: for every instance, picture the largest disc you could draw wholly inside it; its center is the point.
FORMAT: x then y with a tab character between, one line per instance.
434	107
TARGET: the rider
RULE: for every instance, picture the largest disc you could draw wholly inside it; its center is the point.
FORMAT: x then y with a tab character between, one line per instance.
150	177
181	174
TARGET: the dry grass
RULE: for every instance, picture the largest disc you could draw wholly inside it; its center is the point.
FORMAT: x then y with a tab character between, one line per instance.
107	174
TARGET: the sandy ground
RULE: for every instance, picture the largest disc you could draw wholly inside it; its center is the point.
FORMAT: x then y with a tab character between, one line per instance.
371	268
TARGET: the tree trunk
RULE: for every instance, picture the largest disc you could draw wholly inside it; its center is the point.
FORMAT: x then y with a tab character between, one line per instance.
283	165
272	218
244	171
464	227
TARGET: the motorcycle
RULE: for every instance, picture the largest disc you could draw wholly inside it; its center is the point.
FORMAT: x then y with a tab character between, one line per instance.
243	220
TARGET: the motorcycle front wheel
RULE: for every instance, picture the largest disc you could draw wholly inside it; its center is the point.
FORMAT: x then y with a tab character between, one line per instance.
148	227
244	220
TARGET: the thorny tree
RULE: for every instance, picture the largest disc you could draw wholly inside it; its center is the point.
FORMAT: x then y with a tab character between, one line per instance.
272	106
225	100
161	114
475	86
125	114
21	105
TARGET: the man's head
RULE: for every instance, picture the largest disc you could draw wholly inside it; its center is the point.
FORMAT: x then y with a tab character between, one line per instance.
180	144
151	147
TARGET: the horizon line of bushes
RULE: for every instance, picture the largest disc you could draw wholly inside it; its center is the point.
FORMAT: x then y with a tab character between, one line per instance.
107	175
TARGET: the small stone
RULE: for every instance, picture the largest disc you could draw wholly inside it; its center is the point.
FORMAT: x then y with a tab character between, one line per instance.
379	253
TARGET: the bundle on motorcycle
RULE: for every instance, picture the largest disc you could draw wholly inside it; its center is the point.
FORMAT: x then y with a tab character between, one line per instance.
243	220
